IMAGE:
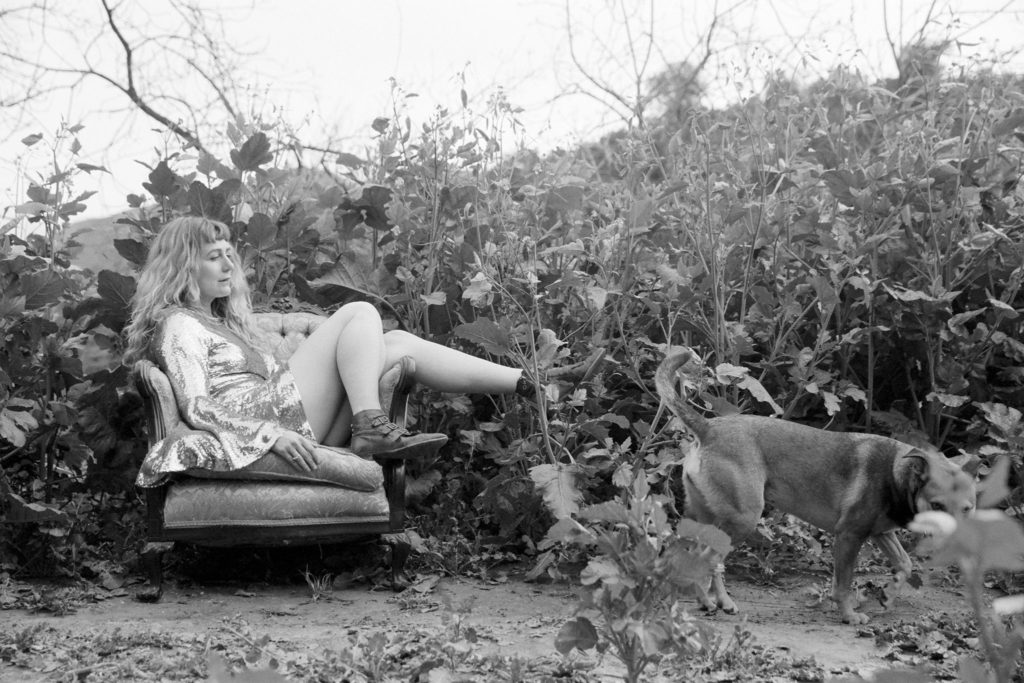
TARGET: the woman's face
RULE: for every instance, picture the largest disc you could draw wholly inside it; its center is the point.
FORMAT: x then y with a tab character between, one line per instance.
215	268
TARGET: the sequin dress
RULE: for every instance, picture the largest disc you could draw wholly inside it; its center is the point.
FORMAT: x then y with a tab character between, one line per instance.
235	400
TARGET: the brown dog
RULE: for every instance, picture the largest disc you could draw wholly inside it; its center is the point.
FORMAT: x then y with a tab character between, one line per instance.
857	486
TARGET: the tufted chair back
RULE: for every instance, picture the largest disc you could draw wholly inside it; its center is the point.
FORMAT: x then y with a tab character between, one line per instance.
283	332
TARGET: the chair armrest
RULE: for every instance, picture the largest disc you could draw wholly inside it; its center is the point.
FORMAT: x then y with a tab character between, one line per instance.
157	399
396	385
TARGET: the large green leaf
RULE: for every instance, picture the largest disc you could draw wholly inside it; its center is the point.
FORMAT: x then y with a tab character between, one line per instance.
210	165
566	530
163	182
346	273
839	183
576	633
254	153
706	535
41	289
370	208
261	231
115	289
132	250
350	160
89	168
1004	418
1004	126
488	334
559	486
608	511
22	512
15	424
565	198
201	200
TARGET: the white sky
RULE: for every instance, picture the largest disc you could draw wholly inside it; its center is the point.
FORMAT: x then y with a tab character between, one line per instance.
325	65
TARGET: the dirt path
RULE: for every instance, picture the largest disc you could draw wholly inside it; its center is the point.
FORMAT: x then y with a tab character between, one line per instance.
506	617
791	616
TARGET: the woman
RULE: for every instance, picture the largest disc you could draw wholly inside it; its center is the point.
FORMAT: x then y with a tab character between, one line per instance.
191	314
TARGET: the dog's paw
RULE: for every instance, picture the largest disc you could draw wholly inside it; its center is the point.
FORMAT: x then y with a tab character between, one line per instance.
707	604
855	618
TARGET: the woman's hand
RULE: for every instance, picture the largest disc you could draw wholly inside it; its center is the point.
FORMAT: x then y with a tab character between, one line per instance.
297	450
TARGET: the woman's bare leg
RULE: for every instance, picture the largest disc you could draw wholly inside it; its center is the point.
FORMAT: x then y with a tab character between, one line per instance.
342	359
346	355
445	369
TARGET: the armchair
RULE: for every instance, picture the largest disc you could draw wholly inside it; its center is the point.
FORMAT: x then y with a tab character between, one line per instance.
242	509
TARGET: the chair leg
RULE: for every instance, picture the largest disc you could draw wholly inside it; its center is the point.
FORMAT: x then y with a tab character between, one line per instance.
400	547
153	563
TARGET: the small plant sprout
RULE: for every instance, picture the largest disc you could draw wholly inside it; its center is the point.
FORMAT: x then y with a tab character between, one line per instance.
320	587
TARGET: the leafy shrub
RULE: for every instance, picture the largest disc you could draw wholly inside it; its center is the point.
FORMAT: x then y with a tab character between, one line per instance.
838	255
642	568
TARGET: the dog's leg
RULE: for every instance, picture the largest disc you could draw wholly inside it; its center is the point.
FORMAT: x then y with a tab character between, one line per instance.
847	546
738	527
900	561
733	524
722	598
722	493
702	593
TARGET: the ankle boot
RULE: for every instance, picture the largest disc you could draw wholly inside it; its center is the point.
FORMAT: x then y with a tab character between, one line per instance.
374	435
524	387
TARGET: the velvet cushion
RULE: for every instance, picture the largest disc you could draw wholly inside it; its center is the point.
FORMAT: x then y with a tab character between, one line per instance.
337	466
193	503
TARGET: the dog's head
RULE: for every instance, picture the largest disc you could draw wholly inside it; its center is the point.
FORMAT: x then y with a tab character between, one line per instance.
936	483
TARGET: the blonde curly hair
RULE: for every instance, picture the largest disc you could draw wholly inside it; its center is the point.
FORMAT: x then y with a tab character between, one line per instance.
168	283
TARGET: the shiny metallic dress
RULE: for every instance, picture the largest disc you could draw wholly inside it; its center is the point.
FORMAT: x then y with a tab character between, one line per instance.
235	400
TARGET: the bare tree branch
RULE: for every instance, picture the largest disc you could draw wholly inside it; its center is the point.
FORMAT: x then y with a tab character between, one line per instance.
148	68
638	69
216	86
592	79
189	136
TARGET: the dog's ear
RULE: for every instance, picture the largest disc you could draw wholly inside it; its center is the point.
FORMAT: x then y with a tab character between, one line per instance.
911	470
915	466
932	481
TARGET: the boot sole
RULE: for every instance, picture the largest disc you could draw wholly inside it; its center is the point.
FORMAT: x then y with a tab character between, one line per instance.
420	449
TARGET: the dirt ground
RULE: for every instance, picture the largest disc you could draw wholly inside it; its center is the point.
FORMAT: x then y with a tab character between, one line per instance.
509	616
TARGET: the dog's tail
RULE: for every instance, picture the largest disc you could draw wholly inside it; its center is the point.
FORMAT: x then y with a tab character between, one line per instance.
665	381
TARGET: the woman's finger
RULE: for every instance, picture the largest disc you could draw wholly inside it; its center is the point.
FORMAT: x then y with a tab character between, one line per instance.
299	458
296	459
309	455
